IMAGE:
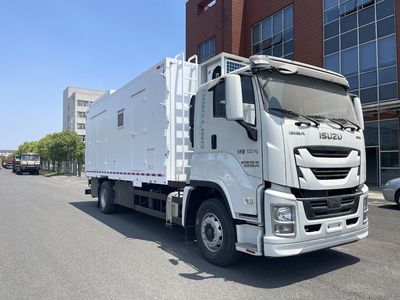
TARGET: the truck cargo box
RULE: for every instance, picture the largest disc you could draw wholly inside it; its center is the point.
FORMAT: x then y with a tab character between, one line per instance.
139	133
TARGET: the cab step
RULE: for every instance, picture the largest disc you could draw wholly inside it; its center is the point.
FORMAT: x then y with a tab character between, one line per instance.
248	248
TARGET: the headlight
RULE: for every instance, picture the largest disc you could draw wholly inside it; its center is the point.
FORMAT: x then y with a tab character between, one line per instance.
387	183
283	221
283	214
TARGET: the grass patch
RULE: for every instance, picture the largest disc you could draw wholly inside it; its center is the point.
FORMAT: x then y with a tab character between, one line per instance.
48	173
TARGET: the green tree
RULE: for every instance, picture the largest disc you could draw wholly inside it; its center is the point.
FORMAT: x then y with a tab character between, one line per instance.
57	148
43	149
27	147
66	146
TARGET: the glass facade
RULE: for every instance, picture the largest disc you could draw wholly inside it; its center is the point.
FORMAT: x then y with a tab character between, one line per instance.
274	35
360	43
382	143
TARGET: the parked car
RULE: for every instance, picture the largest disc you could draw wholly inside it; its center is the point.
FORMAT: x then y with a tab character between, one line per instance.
391	191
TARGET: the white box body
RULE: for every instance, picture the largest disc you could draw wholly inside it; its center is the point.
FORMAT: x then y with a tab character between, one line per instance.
152	145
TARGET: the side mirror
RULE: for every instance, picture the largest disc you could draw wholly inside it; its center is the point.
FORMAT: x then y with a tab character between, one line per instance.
234	98
358	110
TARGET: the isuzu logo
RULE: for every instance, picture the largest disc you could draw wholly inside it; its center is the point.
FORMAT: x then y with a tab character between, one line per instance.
330	136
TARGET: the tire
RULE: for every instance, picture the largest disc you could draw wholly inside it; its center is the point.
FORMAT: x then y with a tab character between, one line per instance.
397	199
216	233
106	198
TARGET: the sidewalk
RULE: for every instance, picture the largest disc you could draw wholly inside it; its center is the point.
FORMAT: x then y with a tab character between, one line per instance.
71	179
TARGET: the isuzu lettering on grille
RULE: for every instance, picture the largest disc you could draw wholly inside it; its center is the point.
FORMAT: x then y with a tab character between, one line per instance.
330	136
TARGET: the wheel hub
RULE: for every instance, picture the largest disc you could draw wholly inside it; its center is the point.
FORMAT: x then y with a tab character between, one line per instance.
211	232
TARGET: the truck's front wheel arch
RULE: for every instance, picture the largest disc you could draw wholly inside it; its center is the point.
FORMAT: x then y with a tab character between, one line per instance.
199	194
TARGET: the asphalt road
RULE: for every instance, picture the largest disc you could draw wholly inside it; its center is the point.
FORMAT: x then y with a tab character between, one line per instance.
55	243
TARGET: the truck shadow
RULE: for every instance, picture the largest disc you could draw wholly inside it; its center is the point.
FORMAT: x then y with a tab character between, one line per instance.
254	271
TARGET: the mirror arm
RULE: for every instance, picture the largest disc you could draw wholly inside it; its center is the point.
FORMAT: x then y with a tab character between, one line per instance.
251	132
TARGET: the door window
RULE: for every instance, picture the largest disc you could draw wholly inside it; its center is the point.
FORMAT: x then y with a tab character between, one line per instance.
249	107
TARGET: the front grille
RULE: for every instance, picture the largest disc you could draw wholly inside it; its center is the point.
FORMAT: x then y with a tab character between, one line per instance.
329	151
329	207
330	173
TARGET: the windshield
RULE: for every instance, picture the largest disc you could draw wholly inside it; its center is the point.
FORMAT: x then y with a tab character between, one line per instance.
30	157
305	96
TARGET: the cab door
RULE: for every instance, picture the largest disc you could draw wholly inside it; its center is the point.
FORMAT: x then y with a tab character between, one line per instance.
235	147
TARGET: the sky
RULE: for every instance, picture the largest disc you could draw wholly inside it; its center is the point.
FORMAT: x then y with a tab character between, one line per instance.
47	45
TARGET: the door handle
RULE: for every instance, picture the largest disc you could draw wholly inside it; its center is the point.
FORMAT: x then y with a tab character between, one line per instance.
214	141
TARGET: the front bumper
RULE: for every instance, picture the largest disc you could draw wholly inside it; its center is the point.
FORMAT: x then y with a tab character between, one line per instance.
332	232
274	250
30	168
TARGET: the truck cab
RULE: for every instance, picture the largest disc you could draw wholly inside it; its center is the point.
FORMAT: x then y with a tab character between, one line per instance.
29	162
281	145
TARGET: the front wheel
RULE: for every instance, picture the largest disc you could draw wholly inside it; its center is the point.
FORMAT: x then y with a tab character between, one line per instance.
216	234
106	198
397	199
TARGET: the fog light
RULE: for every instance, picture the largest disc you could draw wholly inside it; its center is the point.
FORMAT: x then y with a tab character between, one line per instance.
283	214
284	228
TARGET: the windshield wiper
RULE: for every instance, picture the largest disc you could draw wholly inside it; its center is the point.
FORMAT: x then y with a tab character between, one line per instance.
329	119
295	114
347	121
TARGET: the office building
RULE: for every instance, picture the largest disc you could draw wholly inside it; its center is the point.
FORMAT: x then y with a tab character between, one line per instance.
76	102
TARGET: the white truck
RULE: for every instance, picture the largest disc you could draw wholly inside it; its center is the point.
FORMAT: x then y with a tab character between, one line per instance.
263	155
28	162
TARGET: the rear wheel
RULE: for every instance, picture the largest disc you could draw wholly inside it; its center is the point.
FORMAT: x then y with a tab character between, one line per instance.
106	198
216	234
397	199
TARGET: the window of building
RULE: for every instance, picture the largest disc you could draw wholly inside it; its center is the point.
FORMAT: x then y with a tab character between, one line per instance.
360	43
204	5
81	114
120	118
274	35
371	134
389	142
207	49
83	103
80	126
